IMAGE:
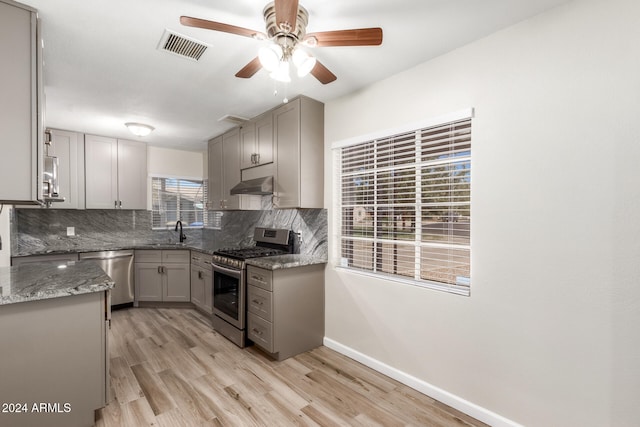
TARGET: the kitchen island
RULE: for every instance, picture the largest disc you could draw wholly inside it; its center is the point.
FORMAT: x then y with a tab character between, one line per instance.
54	321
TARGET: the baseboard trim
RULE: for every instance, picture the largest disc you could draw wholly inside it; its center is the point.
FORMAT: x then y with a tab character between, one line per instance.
469	408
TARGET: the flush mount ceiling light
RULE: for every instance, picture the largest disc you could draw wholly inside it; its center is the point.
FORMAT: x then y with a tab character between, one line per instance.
139	129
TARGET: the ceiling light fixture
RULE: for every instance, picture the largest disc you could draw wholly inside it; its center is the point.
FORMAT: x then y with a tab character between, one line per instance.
139	129
276	58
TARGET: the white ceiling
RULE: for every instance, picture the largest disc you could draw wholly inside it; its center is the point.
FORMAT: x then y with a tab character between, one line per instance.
103	68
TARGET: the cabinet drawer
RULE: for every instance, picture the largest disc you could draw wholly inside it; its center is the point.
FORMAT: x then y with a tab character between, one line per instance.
201	260
153	255
260	302
260	277
175	256
260	331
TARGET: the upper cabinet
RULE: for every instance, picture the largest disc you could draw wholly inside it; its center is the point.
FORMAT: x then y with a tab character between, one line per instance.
256	141
115	173
224	170
298	129
68	147
21	105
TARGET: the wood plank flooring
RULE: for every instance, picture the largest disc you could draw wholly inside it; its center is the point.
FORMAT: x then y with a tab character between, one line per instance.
170	368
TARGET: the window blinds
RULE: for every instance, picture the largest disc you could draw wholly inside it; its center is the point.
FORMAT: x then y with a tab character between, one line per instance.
404	205
176	199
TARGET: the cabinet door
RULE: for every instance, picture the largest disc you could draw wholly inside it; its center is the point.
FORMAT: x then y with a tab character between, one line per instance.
197	286
68	148
286	122
101	172
230	168
132	174
148	282
207	277
19	143
264	138
215	173
176	282
248	145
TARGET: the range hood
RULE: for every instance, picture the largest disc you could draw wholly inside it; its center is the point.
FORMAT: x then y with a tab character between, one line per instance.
259	186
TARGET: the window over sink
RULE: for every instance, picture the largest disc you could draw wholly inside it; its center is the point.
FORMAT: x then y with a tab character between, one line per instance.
176	199
403	203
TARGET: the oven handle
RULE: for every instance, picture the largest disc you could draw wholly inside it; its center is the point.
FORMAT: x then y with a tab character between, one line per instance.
228	271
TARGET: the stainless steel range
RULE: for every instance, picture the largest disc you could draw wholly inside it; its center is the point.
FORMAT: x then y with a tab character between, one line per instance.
229	279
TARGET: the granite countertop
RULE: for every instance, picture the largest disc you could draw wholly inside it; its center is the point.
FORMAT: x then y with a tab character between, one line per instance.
194	246
45	280
285	261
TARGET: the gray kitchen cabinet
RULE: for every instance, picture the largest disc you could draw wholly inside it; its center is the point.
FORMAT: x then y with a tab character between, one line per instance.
68	147
21	105
256	141
224	170
115	173
55	351
162	275
201	281
299	150
285	309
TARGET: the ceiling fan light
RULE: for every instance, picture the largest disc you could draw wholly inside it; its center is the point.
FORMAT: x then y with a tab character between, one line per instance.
270	57
303	62
306	66
281	74
139	129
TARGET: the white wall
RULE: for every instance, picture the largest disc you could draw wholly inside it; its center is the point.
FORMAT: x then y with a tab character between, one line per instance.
173	163
176	163
550	333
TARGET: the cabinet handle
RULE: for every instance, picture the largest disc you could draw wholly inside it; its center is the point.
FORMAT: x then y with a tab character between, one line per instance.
120	204
257	158
115	204
159	269
257	332
257	302
253	159
200	275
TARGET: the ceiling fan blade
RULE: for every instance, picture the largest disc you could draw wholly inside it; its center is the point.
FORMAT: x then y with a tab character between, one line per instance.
250	69
322	73
357	37
219	26
287	14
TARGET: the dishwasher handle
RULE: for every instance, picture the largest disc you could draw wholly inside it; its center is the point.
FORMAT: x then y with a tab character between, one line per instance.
105	255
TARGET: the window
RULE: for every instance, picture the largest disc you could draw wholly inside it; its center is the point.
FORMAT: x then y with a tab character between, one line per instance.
176	199
404	204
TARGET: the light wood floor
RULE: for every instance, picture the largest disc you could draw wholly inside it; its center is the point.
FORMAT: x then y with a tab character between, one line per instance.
169	368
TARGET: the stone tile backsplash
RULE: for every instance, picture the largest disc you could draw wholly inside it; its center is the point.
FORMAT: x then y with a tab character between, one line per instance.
45	230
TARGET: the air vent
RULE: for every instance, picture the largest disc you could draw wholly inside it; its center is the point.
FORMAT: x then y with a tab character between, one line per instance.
183	46
236	120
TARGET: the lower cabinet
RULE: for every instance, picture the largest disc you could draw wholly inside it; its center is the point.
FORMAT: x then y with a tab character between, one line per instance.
162	275
201	281
55	361
285	309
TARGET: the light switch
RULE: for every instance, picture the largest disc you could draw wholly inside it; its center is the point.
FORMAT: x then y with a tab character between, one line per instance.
71	231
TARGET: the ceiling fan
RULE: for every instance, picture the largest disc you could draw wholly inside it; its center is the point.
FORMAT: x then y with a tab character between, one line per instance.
286	23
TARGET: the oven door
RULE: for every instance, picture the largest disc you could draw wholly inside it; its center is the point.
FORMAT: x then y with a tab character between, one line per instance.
229	295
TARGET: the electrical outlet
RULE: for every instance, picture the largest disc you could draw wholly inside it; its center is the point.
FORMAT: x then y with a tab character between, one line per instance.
71	231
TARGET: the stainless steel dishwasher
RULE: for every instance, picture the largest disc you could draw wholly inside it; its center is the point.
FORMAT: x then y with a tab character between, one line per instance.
119	266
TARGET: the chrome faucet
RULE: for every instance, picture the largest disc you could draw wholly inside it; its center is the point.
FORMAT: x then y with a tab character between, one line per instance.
182	236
